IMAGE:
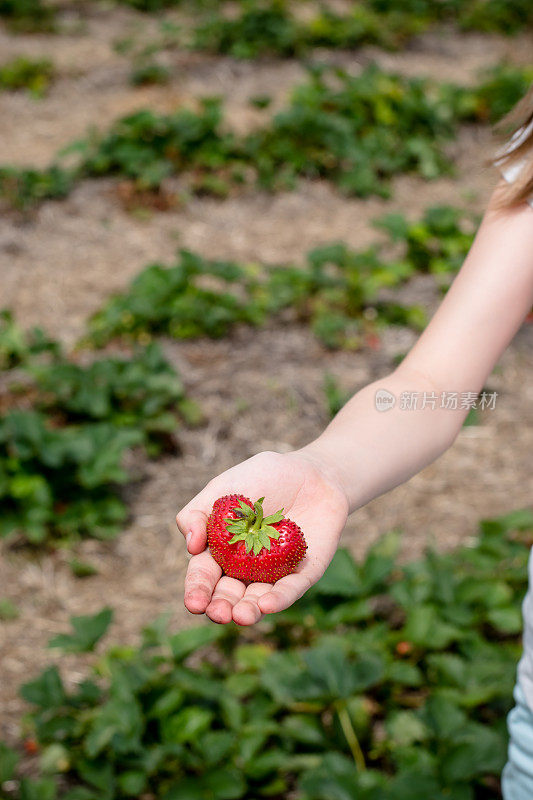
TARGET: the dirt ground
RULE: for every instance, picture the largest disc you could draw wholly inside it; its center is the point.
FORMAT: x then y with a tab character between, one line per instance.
60	264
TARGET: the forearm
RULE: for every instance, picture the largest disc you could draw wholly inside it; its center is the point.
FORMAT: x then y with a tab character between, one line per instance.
368	452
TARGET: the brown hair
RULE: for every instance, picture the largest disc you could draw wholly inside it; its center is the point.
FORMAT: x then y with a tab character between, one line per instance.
518	121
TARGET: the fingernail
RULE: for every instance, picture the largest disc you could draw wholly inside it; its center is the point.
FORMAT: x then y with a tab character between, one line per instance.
188	538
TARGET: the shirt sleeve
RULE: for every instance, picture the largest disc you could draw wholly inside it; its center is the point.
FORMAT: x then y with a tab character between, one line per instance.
512	171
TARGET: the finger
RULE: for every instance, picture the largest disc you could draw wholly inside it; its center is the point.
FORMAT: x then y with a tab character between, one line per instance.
284	593
228	592
202	575
192	524
247	611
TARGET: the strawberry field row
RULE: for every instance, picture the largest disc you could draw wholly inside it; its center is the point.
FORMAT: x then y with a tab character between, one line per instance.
270	26
384	681
340	292
356	131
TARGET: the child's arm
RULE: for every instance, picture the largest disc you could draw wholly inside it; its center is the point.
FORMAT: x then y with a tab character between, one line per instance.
364	452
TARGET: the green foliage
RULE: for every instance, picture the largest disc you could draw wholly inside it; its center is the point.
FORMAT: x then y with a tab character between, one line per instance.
340	292
82	569
27	15
142	392
23	187
86	632
357	131
270	28
260	29
149	147
336	396
19	347
61	462
35	75
150	6
336	291
8	611
438	243
497	16
175	302
148	73
501	88
382	682
490	16
61	481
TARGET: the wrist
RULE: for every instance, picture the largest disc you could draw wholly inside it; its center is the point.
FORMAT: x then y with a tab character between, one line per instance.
321	455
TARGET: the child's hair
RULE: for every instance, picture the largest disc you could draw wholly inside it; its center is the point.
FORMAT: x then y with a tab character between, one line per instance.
519	123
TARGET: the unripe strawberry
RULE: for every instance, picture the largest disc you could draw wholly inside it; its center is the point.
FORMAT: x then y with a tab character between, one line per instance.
250	546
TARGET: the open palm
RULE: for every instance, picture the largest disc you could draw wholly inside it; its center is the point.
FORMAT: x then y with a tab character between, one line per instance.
291	481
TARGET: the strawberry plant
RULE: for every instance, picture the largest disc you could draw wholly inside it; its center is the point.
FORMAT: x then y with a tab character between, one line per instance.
383	681
27	15
438	243
61	481
260	29
337	292
148	73
492	16
19	347
34	75
67	429
22	187
179	302
357	131
500	89
141	392
270	28
340	293
149	147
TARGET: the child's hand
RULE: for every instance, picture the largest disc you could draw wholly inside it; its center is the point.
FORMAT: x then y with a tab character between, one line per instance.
310	495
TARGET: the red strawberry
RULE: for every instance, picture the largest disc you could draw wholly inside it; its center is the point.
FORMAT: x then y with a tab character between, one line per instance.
250	546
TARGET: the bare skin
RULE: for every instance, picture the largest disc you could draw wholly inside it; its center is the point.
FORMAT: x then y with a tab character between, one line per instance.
363	452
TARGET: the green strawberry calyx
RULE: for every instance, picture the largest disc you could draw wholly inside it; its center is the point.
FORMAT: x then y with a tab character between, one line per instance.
252	527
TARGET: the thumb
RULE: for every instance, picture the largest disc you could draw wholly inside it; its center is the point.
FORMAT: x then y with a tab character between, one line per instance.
192	524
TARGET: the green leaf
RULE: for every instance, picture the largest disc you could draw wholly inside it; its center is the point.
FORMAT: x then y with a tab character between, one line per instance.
405	728
87	632
341	677
272	518
119	723
341	578
222	784
444	717
186	725
476	752
8	610
39	789
132	783
336	778
46	691
425	628
191	639
82	569
508	620
8	763
54	758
